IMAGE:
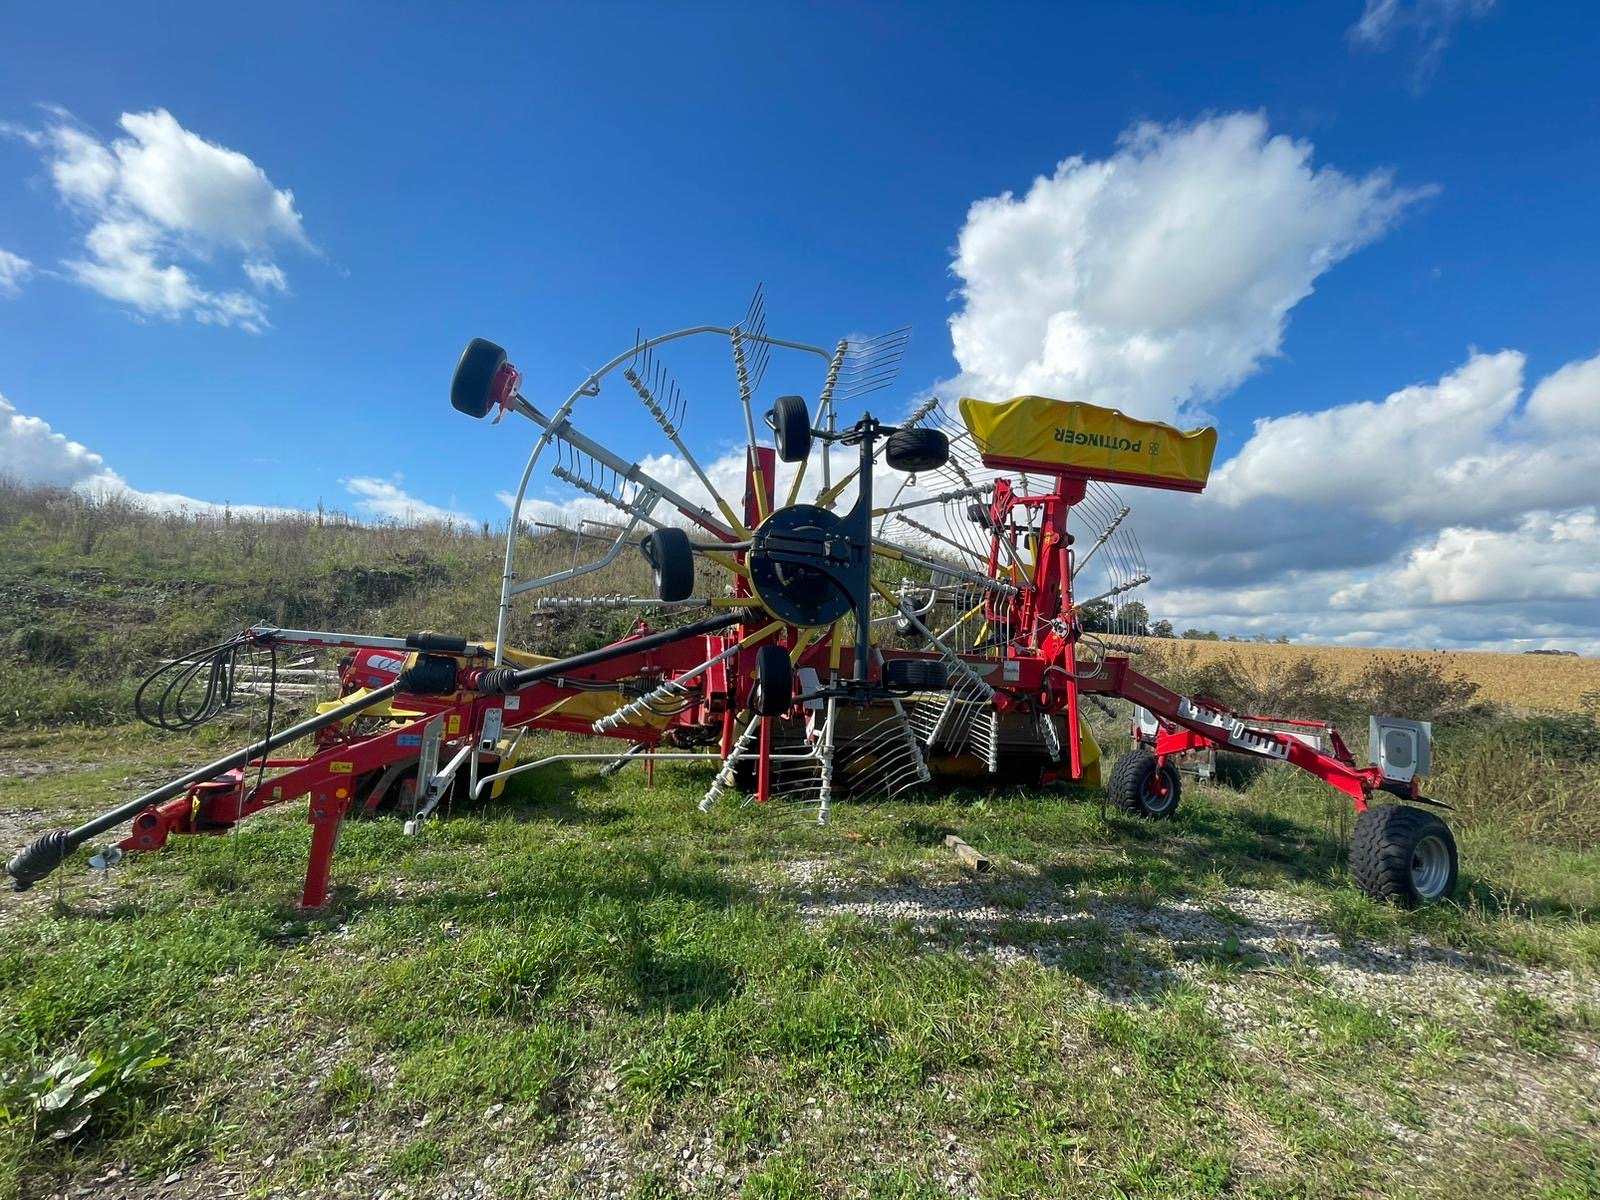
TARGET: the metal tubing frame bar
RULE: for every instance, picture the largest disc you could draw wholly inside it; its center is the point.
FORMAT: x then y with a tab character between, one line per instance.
708	756
972	577
591	387
1136	581
563	430
652	406
439	782
641	512
976	492
327	637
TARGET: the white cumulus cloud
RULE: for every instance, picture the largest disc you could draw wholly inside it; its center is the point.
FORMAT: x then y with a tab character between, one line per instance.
32	453
162	203
386	500
1161	276
1460	511
1568	401
1431	454
267	276
1545	557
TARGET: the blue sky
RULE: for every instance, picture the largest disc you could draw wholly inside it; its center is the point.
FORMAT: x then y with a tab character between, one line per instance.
555	176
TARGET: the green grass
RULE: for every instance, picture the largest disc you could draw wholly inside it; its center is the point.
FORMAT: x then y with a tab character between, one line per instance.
591	959
595	955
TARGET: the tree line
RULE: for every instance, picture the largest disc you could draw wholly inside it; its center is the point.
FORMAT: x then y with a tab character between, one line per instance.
1132	619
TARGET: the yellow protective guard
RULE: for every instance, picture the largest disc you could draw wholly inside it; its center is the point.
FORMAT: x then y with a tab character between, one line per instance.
1088	755
1035	433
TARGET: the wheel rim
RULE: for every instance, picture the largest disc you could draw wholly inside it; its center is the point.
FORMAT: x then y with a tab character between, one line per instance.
1430	867
1157	795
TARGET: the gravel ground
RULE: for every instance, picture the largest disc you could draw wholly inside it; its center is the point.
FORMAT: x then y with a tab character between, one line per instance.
1177	939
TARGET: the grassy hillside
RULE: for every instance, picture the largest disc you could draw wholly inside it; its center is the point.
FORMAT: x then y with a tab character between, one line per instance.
94	593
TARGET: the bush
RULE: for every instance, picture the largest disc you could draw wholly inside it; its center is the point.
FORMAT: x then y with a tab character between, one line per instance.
1416	689
1570	737
1302	687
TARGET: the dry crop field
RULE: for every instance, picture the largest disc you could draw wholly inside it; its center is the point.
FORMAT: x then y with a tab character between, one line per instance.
1532	682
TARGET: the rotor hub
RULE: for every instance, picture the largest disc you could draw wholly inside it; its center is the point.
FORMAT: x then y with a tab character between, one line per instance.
799	559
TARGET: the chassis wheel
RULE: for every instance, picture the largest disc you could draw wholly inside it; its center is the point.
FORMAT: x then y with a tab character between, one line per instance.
1404	855
915	675
470	387
916	449
774	688
1138	786
791	428
671	557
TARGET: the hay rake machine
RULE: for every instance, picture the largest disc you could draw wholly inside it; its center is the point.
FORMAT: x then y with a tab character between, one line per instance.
891	605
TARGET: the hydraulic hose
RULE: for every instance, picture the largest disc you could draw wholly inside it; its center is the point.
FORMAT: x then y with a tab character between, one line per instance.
168	687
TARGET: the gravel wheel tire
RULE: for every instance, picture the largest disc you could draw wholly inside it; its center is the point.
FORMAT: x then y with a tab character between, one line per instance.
1404	855
917	449
470	386
1139	787
791	428
671	557
774	689
915	675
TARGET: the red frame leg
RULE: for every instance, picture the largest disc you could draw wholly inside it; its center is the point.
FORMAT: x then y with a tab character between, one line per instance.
326	815
764	763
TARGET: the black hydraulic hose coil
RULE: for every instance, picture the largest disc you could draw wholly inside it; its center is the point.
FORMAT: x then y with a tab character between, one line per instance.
167	697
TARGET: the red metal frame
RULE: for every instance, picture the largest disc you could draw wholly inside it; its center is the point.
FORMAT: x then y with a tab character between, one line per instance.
1047	675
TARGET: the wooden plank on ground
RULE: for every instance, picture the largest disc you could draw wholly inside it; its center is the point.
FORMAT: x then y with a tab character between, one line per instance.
969	857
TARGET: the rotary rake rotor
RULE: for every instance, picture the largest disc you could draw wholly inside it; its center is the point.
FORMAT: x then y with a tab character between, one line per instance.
845	606
804	701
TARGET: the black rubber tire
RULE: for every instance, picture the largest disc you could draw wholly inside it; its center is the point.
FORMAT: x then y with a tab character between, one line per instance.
903	623
914	450
470	386
774	688
671	557
1134	786
791	428
1390	853
915	675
